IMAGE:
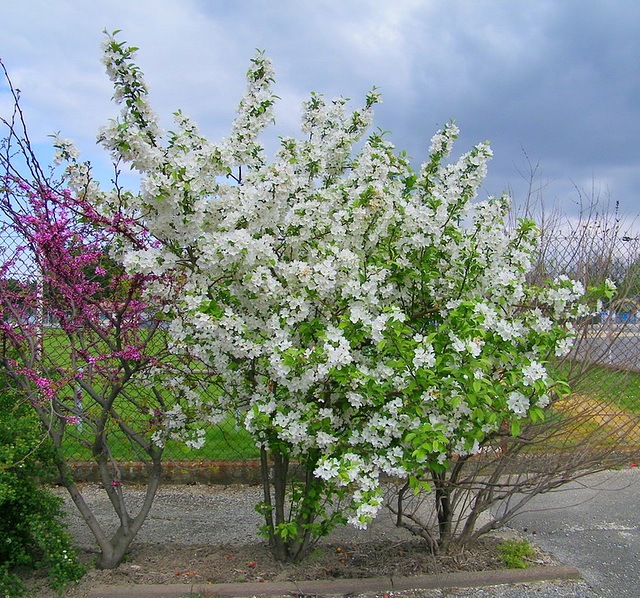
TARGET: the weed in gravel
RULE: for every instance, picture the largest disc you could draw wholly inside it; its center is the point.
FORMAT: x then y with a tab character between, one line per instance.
515	552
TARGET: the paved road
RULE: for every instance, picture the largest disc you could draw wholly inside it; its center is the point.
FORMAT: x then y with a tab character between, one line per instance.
594	526
617	345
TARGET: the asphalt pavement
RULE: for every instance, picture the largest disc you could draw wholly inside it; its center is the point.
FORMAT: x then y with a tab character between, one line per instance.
593	525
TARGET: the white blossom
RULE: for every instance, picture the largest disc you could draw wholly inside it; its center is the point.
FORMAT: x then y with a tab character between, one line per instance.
424	357
533	372
518	403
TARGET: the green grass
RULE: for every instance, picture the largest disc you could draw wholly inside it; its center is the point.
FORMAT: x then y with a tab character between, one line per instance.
225	442
616	387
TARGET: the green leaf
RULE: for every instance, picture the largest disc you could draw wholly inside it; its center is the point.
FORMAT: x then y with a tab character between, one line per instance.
416	484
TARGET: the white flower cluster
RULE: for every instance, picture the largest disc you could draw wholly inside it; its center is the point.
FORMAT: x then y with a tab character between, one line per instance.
563	294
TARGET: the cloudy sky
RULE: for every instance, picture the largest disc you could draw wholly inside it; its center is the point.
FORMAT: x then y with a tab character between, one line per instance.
553	84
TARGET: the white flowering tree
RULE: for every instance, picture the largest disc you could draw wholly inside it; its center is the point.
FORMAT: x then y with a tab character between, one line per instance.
364	319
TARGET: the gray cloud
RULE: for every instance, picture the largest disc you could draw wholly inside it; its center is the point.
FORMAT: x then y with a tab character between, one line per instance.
558	80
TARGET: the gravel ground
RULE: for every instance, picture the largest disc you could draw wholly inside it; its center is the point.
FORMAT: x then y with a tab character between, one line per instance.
544	589
199	515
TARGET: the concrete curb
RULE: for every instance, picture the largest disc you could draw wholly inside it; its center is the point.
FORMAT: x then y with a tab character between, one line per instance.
472	579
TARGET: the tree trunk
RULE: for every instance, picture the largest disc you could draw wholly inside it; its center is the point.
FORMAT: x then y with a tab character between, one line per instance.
113	550
278	514
443	507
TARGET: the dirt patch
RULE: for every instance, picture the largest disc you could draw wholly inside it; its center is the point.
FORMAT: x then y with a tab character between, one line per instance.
184	564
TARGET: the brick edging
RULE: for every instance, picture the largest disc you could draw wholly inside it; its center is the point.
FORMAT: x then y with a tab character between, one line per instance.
462	579
178	472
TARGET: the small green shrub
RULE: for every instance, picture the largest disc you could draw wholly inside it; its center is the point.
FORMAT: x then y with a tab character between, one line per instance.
514	553
31	533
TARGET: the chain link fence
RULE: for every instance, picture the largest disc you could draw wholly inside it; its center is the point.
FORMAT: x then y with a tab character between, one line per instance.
603	368
46	342
611	337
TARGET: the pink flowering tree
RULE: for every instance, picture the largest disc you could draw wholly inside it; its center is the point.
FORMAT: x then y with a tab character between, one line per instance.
82	339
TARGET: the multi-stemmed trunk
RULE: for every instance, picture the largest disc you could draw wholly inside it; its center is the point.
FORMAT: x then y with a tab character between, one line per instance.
290	526
113	548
